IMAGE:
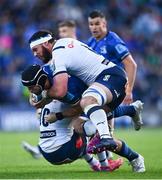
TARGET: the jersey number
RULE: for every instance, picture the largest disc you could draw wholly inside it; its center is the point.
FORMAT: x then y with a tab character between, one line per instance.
45	111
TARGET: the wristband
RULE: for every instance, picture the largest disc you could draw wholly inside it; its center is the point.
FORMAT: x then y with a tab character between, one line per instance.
59	116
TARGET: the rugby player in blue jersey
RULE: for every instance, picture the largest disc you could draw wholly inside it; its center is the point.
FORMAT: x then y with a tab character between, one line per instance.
113	48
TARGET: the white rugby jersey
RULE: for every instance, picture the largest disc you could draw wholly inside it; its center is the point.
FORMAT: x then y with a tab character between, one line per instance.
76	58
53	135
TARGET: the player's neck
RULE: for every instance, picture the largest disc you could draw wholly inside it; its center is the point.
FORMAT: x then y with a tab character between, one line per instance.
101	36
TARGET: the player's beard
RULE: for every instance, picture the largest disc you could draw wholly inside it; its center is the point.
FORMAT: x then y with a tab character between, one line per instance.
47	56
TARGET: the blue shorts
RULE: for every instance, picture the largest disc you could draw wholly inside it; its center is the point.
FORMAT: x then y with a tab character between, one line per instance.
68	152
115	80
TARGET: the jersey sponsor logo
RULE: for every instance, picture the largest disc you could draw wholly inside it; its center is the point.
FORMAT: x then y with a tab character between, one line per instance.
47	134
71	45
120	48
106	77
103	50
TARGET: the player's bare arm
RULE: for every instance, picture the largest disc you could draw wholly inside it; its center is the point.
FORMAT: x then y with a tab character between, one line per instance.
130	68
59	87
67	113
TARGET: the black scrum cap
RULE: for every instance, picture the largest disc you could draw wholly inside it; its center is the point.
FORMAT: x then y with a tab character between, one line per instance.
34	75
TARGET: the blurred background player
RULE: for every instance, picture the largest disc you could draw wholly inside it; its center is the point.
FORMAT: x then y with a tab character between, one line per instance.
67	29
112	47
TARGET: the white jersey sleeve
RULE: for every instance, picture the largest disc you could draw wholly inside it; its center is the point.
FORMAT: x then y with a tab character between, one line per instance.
54	135
76	58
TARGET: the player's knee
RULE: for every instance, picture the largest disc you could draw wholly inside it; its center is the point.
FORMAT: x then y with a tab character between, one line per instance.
96	95
88	100
89	129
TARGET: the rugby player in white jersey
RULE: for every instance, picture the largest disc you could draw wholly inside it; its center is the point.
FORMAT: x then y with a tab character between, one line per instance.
106	81
36	78
58	143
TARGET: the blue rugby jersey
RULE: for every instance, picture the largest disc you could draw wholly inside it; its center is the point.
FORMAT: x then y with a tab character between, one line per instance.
112	47
76	87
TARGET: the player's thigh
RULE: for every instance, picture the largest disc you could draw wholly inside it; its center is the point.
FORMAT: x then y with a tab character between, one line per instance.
116	85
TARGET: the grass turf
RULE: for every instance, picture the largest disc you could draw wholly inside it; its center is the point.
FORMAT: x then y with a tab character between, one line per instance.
15	163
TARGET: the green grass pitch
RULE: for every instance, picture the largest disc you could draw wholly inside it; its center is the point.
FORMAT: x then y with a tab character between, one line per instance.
15	163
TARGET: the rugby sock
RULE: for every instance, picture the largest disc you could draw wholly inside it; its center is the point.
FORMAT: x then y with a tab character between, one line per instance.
98	117
127	152
103	159
90	159
109	155
124	110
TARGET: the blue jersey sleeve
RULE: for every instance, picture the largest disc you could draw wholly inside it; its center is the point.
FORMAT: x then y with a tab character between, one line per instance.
49	68
117	47
76	87
120	51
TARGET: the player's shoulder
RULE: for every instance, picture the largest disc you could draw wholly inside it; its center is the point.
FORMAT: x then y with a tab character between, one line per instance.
90	40
63	43
114	37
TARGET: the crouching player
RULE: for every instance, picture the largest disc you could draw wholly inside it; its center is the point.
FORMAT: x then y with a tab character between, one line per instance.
58	142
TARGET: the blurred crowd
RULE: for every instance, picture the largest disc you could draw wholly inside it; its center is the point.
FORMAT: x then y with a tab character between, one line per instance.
138	22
